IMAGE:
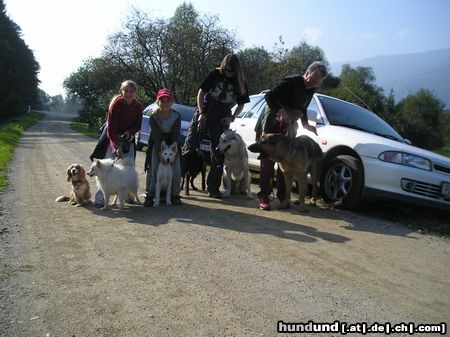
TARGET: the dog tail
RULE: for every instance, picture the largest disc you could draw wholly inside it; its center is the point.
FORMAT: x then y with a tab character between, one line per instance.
62	198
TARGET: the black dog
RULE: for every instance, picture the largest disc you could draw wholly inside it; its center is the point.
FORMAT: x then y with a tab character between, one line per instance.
191	165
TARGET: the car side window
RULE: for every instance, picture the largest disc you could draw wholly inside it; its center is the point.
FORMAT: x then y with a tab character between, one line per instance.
256	110
313	112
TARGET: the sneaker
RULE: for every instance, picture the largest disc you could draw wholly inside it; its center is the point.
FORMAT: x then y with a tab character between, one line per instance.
148	202
215	195
264	203
176	201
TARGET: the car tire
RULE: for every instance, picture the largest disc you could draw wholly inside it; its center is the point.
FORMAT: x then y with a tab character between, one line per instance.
342	182
138	144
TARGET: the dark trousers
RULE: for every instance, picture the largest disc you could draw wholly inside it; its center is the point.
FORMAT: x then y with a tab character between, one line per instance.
214	178
266	175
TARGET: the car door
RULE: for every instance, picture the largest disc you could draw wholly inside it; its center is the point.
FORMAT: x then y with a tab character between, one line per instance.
245	127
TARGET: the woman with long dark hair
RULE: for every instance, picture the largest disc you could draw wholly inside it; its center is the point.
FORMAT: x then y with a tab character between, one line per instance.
222	88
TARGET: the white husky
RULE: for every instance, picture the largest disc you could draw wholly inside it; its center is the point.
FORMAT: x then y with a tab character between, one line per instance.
164	172
236	174
115	178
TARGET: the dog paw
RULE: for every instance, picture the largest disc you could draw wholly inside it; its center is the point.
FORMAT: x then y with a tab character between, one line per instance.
156	204
226	194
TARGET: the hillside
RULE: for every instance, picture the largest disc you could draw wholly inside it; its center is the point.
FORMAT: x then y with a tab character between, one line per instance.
407	73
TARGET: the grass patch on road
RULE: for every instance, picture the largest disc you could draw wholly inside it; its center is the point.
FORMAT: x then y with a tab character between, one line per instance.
10	132
85	129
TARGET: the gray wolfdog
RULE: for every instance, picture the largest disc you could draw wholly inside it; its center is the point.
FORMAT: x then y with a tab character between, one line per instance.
295	157
236	174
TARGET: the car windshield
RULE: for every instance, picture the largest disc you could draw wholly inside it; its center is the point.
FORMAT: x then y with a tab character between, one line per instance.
355	117
248	105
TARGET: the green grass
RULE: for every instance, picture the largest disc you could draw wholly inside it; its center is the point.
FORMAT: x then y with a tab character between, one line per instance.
445	151
85	129
10	132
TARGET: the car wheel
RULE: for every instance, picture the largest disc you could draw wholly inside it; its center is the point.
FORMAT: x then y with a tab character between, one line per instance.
138	144
342	182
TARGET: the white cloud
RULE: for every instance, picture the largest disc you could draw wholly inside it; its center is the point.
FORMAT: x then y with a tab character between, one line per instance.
312	35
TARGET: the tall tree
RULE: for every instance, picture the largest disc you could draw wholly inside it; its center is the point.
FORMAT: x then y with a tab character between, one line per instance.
422	119
357	85
19	69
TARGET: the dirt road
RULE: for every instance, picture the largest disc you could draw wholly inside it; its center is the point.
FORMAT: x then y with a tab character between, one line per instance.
207	268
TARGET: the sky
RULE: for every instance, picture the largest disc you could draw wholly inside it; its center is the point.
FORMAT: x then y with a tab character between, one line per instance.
64	33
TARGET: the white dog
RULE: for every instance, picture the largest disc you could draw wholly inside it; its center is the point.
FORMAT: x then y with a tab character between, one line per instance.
164	172
236	174
115	178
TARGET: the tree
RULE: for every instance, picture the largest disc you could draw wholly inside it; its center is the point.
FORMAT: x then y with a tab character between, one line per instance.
19	69
422	119
357	85
256	63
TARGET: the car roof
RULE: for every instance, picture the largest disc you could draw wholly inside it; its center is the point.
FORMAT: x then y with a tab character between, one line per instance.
186	111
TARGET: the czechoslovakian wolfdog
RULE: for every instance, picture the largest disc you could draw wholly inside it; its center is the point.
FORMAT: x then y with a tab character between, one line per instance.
236	174
164	172
295	157
115	178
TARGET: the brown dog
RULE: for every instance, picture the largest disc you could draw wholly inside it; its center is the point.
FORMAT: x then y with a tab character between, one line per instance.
295	157
80	193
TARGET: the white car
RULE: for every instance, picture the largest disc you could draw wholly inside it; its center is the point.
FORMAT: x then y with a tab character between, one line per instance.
364	157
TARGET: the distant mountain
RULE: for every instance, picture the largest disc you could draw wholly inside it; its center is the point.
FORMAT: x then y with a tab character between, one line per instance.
407	73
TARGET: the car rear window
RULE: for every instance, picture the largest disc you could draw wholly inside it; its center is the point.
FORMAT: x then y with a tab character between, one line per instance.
185	111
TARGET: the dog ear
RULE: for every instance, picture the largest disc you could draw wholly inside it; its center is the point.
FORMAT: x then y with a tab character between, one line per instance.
97	163
82	172
69	177
163	145
273	138
174	146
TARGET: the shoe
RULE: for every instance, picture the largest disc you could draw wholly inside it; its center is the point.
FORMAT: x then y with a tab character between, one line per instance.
176	201
215	195
99	205
264	203
148	202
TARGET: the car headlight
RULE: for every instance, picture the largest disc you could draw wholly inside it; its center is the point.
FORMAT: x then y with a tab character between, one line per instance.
406	159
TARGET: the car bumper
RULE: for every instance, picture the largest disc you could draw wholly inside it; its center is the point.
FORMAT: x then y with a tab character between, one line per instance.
391	181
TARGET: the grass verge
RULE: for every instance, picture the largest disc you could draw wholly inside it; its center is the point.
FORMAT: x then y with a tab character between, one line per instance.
10	132
85	129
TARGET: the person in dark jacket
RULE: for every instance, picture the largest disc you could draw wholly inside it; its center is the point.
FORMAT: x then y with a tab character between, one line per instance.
287	103
220	90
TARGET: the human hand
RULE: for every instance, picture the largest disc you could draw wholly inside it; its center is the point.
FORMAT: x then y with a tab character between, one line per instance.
227	120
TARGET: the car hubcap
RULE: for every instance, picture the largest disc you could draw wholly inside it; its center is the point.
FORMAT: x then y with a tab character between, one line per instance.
338	182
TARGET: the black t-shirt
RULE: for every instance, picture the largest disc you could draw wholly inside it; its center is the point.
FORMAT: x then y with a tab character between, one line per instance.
223	89
290	93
